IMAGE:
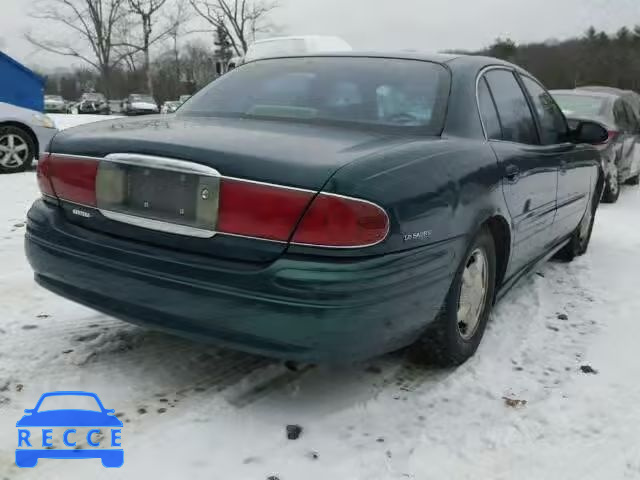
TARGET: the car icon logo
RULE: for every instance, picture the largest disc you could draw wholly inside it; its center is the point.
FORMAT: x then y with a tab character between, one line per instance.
36	431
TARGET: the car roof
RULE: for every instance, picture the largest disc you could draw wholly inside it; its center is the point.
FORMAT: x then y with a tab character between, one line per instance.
451	59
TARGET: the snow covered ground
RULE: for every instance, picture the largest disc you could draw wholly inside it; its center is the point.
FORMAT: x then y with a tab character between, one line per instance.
195	411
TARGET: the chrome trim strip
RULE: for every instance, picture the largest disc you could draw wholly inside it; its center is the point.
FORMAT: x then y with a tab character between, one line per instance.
157	225
81	157
161	163
266	184
252	238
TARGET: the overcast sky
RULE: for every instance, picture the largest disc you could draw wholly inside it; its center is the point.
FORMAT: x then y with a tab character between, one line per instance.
429	25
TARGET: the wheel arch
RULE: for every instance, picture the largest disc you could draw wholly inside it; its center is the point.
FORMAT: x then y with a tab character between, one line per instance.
501	233
29	131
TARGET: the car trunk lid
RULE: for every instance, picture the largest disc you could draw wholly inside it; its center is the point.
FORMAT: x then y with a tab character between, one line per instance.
162	180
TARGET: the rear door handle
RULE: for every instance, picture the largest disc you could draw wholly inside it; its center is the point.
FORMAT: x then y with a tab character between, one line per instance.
512	173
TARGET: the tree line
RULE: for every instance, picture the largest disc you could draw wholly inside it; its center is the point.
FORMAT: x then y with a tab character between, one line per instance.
595	58
143	46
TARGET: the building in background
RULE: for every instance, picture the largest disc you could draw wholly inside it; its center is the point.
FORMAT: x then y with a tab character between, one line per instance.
20	86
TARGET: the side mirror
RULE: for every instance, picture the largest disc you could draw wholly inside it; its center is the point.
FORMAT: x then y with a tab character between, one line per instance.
590	132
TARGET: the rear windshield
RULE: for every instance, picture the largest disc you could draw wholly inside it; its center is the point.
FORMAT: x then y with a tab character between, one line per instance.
372	92
581	105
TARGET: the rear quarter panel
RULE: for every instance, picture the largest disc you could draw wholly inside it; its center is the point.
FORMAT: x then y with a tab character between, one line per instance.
434	190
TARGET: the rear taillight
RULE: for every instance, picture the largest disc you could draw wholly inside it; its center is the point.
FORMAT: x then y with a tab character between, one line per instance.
272	212
612	136
70	178
342	222
43	175
258	210
245	208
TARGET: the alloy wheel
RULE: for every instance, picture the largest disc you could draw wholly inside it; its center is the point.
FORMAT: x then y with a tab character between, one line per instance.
13	151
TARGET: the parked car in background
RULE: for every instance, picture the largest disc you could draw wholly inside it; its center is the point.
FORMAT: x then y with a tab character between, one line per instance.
54	104
614	110
24	135
295	45
326	208
93	103
139	104
115	106
632	97
170	107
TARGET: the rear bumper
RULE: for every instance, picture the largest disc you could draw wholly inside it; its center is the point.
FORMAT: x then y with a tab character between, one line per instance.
296	308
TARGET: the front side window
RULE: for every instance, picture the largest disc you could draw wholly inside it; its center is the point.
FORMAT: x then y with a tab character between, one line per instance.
372	92
553	126
517	122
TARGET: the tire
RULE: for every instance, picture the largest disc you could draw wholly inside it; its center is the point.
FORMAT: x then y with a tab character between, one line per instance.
17	149
448	341
581	237
611	188
634	180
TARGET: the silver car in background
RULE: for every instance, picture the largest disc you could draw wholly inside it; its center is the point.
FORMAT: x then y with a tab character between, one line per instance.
55	104
615	110
24	135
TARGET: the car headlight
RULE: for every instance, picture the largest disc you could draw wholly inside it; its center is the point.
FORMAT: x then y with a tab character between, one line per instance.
43	121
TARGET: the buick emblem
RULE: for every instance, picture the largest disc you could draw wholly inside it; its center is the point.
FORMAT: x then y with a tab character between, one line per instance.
204	194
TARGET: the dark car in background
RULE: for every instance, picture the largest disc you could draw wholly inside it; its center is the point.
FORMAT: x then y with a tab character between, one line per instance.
94	104
321	208
615	110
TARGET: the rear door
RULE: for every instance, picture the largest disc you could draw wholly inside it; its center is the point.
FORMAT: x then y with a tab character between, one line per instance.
530	170
574	173
634	138
627	137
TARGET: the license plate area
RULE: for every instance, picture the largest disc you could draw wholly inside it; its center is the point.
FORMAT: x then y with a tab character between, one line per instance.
168	195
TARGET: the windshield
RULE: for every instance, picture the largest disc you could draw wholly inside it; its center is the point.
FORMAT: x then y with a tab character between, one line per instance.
53	97
69	402
379	92
581	105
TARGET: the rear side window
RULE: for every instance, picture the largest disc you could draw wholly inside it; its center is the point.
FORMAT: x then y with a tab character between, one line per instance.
631	116
553	126
620	116
404	95
488	112
515	116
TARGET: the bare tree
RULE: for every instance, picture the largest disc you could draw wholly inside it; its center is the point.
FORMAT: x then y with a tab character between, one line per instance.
240	19
92	25
147	12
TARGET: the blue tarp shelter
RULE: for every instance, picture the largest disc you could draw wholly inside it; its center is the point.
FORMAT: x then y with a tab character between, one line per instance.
20	86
